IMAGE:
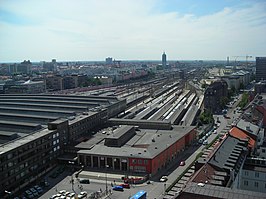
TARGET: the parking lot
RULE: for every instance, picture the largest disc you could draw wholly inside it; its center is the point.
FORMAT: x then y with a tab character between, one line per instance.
67	186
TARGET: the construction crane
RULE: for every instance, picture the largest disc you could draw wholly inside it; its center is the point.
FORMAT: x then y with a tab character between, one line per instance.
247	57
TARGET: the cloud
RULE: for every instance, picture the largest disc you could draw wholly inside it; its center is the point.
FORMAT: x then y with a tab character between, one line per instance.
127	29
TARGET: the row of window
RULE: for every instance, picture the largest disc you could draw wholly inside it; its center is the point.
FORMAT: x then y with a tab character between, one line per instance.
257	174
256	184
140	161
24	149
30	157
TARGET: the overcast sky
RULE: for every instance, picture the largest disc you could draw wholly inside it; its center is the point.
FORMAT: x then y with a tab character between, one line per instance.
131	29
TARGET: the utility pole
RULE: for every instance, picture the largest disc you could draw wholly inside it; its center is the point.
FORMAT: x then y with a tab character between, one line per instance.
106	186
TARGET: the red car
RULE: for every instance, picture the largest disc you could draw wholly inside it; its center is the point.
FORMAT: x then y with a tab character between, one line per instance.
226	117
126	186
182	163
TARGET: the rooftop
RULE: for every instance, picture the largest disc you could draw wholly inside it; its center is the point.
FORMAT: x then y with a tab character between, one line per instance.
218	192
224	156
248	127
236	132
147	143
28	115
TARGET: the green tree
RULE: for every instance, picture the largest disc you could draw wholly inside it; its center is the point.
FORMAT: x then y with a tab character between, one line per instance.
244	100
206	117
223	101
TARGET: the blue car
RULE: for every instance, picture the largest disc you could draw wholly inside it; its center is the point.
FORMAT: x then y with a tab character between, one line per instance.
118	188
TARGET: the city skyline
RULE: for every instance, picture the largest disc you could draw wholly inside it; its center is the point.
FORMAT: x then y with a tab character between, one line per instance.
131	30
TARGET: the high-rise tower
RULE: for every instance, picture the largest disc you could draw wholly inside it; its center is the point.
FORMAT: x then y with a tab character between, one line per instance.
260	68
227	62
164	60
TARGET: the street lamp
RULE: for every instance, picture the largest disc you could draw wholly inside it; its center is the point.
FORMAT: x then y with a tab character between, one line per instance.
72	180
106	187
72	183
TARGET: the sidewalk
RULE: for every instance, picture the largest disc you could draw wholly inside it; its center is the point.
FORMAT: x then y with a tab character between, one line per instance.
104	176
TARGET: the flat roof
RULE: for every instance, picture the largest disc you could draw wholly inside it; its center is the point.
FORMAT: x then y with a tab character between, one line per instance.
49	101
155	142
36	110
23	140
140	121
19	123
43	105
23	115
117	133
7	133
248	127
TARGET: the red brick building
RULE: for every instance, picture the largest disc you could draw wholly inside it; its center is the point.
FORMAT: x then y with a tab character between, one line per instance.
143	151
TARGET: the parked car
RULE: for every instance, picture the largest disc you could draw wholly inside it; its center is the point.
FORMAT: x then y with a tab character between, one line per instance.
53	197
163	179
34	192
118	188
226	117
125	185
205	142
81	196
84	181
182	163
84	193
71	195
38	189
67	193
62	192
29	194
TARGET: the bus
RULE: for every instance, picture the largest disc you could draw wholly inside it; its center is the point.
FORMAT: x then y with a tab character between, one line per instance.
140	195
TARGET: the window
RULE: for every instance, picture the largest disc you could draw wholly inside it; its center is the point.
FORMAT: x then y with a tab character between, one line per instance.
134	161
10	164
145	162
139	161
256	184
257	175
9	156
246	173
245	182
263	150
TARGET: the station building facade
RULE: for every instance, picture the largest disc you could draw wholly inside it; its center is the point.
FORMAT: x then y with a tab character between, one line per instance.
146	151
